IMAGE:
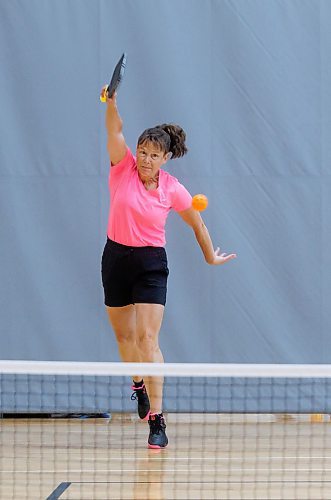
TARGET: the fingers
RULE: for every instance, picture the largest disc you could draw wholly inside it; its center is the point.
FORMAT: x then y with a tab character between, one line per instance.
224	255
222	258
231	256
104	95
226	258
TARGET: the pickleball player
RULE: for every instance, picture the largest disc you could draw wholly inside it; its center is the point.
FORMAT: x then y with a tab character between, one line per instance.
134	261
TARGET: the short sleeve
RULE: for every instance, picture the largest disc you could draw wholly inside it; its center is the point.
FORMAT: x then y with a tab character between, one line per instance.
128	161
182	199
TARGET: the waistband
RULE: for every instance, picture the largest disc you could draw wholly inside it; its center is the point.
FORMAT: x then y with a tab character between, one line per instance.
141	250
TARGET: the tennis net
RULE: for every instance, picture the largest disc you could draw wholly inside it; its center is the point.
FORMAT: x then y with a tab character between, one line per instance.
70	430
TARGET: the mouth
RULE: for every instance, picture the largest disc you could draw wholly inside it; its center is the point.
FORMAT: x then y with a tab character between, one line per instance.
145	169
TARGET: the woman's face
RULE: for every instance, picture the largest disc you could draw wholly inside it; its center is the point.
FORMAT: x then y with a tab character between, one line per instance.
150	159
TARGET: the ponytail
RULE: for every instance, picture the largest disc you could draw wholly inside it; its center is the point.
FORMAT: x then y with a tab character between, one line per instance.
177	139
168	136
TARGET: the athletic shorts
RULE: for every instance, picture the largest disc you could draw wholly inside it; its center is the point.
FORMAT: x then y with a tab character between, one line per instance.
132	275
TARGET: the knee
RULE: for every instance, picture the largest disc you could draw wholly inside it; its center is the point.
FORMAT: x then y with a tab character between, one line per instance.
147	342
125	336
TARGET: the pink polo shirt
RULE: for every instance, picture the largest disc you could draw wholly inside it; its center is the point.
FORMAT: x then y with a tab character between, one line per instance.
137	217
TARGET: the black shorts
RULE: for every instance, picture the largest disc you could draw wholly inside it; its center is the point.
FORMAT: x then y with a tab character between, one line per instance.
133	275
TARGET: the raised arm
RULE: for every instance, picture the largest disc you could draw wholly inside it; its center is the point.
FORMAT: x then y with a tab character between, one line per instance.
194	220
115	142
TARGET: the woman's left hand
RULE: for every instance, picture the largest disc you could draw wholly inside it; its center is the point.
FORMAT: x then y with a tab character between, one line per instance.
221	258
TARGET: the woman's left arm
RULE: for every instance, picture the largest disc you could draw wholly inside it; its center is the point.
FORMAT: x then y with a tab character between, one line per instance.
194	220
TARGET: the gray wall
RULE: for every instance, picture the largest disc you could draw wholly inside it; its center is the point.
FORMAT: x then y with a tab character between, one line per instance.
249	80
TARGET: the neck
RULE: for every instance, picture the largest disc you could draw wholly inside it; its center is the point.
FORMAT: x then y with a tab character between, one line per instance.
151	180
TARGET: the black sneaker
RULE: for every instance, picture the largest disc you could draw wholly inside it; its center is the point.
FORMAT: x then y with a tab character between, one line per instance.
157	436
140	394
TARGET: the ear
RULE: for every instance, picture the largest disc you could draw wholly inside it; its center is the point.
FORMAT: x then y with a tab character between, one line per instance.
167	157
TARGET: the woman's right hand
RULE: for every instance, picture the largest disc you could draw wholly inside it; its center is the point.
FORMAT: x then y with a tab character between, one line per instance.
104	96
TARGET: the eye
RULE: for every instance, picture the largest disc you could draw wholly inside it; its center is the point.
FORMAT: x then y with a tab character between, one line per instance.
155	157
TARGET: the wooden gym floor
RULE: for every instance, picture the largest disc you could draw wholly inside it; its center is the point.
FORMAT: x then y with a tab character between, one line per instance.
209	457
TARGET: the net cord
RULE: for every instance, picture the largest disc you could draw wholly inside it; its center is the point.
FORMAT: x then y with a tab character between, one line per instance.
245	370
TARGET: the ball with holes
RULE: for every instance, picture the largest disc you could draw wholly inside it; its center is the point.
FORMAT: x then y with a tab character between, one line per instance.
200	202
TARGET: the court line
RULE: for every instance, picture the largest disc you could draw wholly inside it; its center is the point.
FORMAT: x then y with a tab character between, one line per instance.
247	481
97	471
254	458
55	495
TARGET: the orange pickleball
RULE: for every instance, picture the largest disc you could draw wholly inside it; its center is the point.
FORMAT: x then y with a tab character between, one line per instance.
200	202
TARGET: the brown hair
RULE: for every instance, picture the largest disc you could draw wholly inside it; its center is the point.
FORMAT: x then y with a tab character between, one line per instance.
169	137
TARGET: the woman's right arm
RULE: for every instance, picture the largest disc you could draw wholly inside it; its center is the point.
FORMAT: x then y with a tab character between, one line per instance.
116	144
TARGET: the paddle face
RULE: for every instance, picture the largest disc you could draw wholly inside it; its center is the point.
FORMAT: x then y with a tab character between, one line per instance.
117	76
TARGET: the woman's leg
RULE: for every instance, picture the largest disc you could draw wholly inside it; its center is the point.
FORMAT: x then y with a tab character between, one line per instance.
148	323
123	321
137	332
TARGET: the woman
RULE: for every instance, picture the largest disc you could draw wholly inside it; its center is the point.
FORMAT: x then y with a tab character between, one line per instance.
134	261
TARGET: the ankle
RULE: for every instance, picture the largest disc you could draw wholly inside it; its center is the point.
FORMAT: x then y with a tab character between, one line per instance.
138	384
